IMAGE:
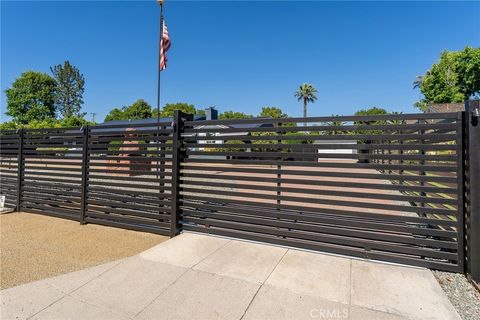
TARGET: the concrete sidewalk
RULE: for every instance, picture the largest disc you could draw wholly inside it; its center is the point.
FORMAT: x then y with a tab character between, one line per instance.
202	277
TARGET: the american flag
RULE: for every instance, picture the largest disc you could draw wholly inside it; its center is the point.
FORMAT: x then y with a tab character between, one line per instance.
164	46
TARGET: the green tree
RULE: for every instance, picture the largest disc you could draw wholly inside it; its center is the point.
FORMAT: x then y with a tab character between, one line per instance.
454	78
371	111
335	123
44	123
272	112
169	108
31	97
70	88
116	114
8	125
234	115
140	109
306	93
74	121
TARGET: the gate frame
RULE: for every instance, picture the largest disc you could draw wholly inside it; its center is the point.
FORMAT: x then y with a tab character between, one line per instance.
178	152
472	127
21	169
85	161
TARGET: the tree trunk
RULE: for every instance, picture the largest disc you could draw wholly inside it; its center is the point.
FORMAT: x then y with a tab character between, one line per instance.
305	110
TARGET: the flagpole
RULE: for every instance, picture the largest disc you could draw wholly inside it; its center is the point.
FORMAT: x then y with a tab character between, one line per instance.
160	156
160	2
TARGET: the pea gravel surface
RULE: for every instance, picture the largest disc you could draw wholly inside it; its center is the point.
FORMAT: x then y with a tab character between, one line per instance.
464	297
34	247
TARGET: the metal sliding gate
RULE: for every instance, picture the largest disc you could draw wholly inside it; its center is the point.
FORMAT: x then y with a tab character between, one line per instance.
386	187
381	187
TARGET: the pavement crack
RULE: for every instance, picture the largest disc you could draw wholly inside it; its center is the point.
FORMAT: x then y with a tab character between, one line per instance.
220	247
261	285
97	276
162	292
176	280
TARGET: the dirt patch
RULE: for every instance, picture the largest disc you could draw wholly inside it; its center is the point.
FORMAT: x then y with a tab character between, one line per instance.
34	247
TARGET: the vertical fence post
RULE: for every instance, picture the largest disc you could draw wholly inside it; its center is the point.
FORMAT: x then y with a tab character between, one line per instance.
421	173
279	176
84	183
461	178
279	167
473	171
400	162
20	168
178	152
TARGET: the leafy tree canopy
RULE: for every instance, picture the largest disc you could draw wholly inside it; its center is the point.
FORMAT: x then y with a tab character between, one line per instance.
306	93
140	109
273	112
169	108
73	121
70	88
234	115
31	97
8	125
371	111
454	78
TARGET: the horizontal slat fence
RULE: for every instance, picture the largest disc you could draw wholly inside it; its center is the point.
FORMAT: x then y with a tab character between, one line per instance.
52	177
129	177
386	187
9	165
381	187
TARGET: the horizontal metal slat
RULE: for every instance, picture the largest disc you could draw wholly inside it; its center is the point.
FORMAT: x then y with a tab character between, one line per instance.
309	191
325	211
418	228
128	216
309	181
315	156
388	117
328	235
335	128
314	146
404	167
336	249
129	226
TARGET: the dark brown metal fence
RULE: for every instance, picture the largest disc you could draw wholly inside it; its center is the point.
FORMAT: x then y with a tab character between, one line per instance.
380	187
387	187
10	149
51	178
129	177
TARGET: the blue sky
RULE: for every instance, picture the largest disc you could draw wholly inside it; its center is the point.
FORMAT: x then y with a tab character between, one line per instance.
239	55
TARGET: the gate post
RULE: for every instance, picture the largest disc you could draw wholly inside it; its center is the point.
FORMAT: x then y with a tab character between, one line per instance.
473	232
20	168
178	152
84	182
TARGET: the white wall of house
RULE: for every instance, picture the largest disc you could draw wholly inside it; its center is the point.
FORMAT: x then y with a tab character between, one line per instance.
335	150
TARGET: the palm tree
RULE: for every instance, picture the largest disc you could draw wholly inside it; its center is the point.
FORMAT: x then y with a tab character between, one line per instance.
418	82
306	92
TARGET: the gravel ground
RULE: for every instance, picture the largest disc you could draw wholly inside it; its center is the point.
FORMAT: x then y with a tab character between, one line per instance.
34	247
462	294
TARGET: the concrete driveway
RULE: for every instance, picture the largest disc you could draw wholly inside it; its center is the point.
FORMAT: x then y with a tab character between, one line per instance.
202	277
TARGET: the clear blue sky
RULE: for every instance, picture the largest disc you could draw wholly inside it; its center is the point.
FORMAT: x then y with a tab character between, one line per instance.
239	55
